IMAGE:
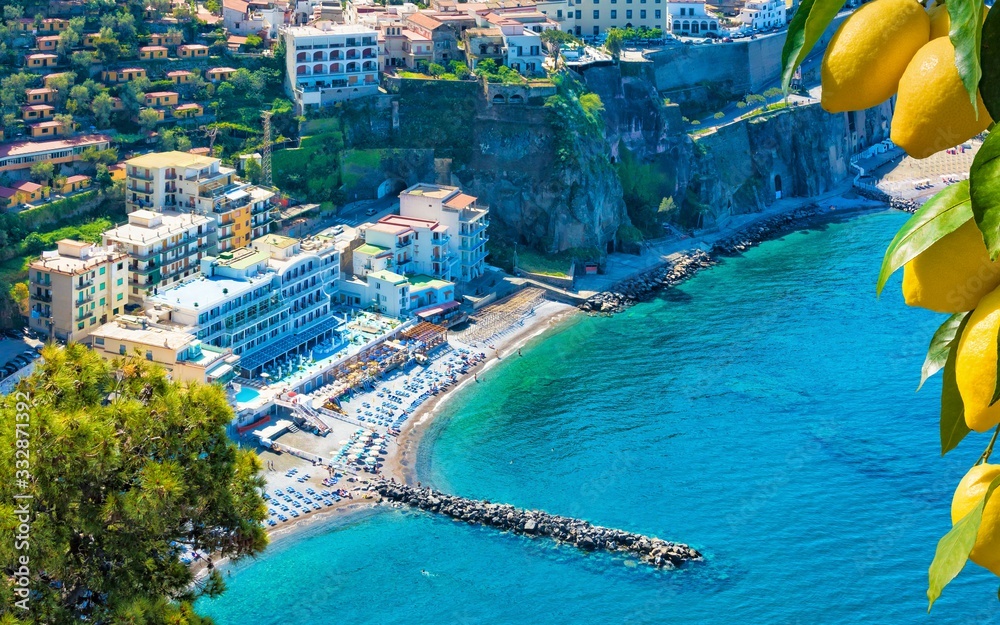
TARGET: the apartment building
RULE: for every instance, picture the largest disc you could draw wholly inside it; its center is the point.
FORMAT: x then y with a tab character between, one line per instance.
163	248
762	15
328	62
263	302
176	349
75	288
22	155
466	221
406	245
191	182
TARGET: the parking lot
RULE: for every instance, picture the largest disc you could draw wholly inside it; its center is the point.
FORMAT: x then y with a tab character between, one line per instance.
11	348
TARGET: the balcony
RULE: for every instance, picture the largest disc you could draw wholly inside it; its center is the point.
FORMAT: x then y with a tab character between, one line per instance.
41	298
472	243
45	282
84	315
85	298
82	284
140	176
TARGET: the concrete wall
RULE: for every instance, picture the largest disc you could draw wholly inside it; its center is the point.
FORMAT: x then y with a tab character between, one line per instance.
744	66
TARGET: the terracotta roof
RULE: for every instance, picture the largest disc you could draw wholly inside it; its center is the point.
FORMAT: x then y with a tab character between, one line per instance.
235	5
236	39
77	178
460	201
180	72
423	20
33	147
412	36
27	186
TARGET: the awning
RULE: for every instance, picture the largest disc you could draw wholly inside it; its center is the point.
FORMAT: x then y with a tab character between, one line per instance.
436	309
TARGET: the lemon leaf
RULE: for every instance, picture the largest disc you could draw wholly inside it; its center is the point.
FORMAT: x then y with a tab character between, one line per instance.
939	216
953	426
940	347
807	26
984	190
954	548
966	34
989	84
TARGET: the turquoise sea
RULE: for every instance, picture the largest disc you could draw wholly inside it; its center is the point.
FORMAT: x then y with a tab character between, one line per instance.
763	412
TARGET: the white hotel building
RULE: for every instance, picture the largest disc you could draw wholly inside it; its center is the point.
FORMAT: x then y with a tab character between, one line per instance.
465	219
264	302
329	62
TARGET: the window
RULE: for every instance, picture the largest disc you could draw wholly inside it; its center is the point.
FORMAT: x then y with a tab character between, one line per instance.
102	286
657	13
149	354
614	14
118	299
579	14
102	271
597	14
102	301
628	14
121	281
597	29
559	12
79	326
642	14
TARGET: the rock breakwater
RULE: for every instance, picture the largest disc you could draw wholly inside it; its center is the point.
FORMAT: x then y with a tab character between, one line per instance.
644	286
581	534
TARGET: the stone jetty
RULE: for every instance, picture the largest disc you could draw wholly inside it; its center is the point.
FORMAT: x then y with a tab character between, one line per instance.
653	551
644	286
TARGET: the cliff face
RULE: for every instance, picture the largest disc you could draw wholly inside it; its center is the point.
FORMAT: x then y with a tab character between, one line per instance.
506	153
799	151
555	183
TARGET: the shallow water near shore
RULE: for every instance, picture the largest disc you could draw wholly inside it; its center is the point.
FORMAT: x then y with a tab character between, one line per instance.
763	412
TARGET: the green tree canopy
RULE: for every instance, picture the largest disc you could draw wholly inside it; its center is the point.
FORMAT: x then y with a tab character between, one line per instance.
126	469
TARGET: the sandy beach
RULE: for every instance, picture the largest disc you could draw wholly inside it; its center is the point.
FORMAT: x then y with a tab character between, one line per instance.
403	449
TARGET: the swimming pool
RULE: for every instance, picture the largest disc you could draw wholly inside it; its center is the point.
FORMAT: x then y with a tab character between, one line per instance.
246	395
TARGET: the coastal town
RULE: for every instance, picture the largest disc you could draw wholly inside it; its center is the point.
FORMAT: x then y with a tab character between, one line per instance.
332	332
327	334
338	213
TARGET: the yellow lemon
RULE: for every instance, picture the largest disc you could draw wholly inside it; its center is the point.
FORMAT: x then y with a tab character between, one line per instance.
976	364
933	111
970	491
869	53
941	21
953	274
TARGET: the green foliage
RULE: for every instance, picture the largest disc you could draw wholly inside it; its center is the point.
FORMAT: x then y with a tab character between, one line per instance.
941	215
119	485
434	69
940	347
966	35
984	192
989	86
591	105
488	70
645	189
804	31
42	172
718	115
614	42
252	170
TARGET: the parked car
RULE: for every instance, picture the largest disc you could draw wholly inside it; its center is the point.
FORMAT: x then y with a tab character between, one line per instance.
370	212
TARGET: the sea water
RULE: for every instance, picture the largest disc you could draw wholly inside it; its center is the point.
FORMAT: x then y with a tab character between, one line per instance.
763	412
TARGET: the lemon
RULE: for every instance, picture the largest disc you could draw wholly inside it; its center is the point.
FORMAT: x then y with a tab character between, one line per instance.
933	111
953	274
941	21
970	491
869	53
976	364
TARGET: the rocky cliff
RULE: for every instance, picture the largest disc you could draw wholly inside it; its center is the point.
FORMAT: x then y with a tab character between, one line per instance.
554	180
506	147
